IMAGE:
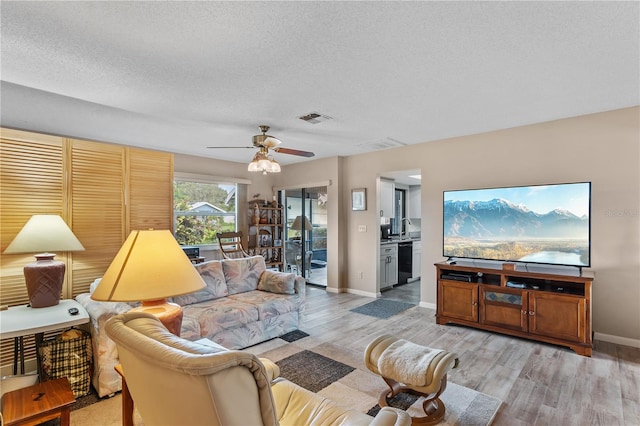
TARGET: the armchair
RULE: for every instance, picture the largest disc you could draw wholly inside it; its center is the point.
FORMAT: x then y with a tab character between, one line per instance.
177	382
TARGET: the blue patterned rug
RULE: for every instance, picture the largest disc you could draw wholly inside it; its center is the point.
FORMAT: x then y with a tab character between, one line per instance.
382	308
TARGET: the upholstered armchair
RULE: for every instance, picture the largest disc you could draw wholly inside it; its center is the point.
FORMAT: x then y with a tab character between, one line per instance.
178	382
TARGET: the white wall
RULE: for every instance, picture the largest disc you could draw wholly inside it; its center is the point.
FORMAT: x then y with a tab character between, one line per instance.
601	148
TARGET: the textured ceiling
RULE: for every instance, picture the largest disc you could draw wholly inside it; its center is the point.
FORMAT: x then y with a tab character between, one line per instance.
181	76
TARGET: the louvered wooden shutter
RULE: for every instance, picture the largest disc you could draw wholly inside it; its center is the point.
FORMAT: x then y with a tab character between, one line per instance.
31	182
101	190
150	190
97	208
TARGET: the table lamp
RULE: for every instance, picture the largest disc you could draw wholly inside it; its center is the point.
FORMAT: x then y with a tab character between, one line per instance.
45	276
298	221
150	267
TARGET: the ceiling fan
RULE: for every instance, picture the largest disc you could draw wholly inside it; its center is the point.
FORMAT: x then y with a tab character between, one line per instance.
262	160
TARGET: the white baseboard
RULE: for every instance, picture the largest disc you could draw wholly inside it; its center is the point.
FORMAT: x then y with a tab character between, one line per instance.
362	293
634	343
428	305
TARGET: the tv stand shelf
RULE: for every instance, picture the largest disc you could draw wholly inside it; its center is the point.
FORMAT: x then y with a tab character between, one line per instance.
550	307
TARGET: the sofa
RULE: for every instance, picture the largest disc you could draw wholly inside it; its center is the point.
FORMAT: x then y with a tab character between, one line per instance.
243	304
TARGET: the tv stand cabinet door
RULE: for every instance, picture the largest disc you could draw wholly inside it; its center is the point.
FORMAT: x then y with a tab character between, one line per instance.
458	300
558	316
503	308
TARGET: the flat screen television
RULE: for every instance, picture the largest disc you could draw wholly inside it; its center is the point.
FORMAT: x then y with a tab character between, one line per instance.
546	224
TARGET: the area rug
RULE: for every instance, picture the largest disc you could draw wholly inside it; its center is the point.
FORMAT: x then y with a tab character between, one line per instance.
347	385
294	335
312	371
382	308
464	406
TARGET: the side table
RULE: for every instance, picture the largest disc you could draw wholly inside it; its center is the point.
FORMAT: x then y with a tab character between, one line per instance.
20	321
38	403
127	400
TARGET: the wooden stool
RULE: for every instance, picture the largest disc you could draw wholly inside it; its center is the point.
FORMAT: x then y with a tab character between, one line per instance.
38	403
430	384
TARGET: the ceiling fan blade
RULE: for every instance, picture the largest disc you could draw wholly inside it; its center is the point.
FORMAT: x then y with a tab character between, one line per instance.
294	152
227	147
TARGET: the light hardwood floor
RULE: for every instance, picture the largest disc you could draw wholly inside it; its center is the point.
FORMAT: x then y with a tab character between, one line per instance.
538	383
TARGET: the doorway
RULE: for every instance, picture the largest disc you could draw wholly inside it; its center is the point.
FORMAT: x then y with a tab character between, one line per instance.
402	214
305	242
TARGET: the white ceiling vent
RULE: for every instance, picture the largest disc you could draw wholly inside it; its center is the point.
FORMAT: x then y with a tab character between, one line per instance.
314	118
381	144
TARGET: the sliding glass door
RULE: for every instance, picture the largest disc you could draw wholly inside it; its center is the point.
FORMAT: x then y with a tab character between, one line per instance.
306	233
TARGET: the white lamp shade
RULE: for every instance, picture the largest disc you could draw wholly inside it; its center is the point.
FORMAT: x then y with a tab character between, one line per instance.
297	223
151	265
44	233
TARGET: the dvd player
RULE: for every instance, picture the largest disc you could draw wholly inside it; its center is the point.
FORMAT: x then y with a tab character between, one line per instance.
457	277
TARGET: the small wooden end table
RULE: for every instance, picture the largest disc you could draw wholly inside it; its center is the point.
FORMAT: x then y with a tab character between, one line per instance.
38	403
127	400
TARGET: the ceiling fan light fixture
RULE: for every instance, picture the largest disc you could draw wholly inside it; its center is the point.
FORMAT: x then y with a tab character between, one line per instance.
275	166
264	164
253	166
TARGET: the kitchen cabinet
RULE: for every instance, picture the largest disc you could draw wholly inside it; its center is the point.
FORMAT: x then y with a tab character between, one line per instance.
414	201
388	266
416	255
387	198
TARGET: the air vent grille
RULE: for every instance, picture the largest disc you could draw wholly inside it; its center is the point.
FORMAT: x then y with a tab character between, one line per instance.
381	144
314	118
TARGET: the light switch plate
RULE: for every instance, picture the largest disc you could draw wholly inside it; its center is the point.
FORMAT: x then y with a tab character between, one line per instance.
362	228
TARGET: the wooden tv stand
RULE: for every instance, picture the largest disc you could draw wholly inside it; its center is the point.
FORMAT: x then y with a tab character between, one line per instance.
547	307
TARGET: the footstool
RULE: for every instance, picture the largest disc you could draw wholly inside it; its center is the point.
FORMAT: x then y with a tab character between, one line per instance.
408	367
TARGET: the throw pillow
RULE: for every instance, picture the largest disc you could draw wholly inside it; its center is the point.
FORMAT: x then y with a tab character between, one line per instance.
94	284
243	274
277	282
213	277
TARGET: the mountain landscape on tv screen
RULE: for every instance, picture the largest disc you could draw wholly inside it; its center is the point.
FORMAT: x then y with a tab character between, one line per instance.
501	230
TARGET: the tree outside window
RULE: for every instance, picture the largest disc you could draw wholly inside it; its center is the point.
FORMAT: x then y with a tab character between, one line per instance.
201	210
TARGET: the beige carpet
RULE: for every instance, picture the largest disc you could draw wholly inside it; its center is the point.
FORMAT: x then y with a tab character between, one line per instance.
358	389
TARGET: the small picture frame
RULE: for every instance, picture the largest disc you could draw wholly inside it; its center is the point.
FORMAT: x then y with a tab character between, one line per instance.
265	240
359	199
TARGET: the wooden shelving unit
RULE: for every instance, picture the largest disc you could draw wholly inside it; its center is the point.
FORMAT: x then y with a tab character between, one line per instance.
266	232
548	307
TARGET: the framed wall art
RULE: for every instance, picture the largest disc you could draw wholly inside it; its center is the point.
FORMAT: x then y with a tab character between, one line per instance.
359	199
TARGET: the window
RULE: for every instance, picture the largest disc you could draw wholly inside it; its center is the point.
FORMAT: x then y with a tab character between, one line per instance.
202	209
400	207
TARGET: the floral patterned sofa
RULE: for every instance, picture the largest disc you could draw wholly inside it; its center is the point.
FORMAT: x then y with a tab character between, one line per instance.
242	304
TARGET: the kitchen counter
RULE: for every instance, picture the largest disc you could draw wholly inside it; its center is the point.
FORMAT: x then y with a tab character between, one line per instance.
398	240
